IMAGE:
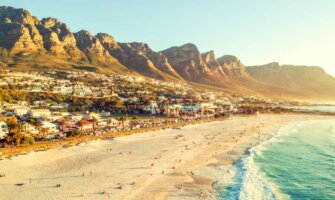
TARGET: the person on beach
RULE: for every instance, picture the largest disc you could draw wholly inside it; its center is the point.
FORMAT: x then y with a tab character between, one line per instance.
180	186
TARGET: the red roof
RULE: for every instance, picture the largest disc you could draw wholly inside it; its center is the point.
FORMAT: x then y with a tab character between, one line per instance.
84	122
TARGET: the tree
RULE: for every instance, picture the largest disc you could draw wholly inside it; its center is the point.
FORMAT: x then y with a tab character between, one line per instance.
122	120
81	124
14	139
94	121
13	126
62	123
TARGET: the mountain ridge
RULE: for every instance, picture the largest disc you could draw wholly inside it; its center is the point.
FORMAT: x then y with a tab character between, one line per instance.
29	43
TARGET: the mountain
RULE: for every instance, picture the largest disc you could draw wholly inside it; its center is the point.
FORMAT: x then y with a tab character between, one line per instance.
225	72
232	66
27	43
304	80
140	58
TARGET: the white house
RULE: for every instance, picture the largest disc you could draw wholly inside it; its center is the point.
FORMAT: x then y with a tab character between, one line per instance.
49	127
39	113
18	111
29	129
3	129
152	108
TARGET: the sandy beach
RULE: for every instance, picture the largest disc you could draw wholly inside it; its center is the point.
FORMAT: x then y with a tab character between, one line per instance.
166	164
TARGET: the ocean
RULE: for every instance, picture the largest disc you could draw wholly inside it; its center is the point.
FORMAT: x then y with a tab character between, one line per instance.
324	108
297	163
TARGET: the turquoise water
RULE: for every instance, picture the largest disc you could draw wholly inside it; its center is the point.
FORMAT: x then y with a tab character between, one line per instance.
297	163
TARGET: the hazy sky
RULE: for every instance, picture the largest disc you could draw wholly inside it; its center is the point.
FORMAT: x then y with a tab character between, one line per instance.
256	31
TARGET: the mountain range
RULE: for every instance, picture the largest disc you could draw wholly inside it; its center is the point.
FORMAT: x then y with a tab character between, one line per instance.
32	44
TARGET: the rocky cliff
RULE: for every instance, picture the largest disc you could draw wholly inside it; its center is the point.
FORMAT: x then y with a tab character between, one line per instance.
232	66
187	61
19	32
140	58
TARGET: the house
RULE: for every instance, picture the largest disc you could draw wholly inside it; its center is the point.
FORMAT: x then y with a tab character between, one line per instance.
29	129
76	117
53	117
91	116
112	122
3	129
152	108
37	113
84	125
191	108
18	111
68	126
49	128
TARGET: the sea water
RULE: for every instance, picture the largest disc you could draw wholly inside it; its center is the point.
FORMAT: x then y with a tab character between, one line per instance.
323	108
297	163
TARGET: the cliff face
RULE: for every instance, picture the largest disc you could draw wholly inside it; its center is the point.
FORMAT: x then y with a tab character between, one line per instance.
211	62
49	42
18	31
313	81
59	40
232	66
139	57
187	61
193	66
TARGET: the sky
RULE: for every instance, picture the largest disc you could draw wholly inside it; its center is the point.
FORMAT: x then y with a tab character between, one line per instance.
299	32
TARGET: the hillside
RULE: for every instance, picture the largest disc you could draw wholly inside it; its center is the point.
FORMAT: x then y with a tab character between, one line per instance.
309	81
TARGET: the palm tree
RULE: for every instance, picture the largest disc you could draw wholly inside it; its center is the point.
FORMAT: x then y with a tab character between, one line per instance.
62	123
122	119
81	124
44	131
153	120
94	120
38	125
109	122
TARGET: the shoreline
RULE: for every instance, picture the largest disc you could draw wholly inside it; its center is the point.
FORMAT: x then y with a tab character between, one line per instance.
163	164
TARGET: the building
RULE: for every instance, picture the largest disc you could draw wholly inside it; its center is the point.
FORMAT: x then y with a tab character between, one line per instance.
152	108
18	111
49	128
37	113
29	129
3	129
84	125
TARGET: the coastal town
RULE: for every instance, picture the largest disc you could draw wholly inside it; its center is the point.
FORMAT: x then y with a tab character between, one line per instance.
54	105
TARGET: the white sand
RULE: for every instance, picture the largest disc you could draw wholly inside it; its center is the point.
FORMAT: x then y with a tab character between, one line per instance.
125	171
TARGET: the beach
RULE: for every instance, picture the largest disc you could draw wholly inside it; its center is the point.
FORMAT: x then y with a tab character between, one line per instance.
179	163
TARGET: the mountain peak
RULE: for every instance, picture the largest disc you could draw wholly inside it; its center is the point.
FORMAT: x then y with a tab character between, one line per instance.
208	56
228	59
18	15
